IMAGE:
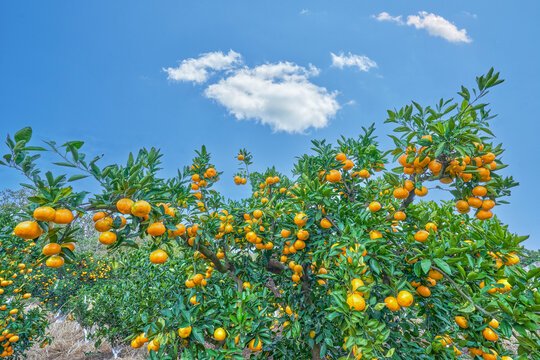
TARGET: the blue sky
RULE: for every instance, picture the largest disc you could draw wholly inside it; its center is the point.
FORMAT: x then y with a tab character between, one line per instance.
94	71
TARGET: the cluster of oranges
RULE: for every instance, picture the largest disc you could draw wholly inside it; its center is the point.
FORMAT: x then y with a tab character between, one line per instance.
199	181
489	333
7	339
477	201
30	230
403	299
199	279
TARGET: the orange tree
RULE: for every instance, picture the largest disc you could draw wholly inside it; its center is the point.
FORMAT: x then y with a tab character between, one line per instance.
341	260
21	325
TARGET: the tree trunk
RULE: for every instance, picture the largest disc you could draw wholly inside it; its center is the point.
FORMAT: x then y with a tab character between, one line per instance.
316	352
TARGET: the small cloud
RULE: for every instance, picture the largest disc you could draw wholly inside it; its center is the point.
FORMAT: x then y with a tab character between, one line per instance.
384	16
363	63
196	70
304	12
474	16
434	24
279	95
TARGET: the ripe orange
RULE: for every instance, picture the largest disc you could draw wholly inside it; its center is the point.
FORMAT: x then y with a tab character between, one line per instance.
462	322
435	166
421	236
408	185
141	208
153	345
494	323
479	191
326	224
240	157
98	216
399	215
285	233
55	261
333	176
434	274
63	216
107	238
374	206
348	165
300	219
220	334
257	213
51	249
490	334
405	298
375	234
341	157
488	204
474	202
158	256
302	234
156	229
184	332
400	193
44	213
70	246
364	174
431	226
27	230
490	355
484	214
104	224
355	284
421	192
462	207
423	290
252	346
124	206
391	303
356	302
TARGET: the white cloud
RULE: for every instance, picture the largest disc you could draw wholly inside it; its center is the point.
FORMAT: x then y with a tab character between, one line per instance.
435	25
384	16
438	26
304	12
197	69
279	95
360	61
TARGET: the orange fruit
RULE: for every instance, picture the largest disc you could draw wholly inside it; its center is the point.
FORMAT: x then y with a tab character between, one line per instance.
435	166
431	226
51	249
55	261
44	213
348	165
479	191
494	323
374	206
300	219
341	157
423	290
240	157
400	193
391	303
63	216
421	236
434	274
124	206
462	322
252	346
98	216
257	213
158	256
474	202
488	204
70	246
135	343
184	332
490	334
326	224
484	214
156	229
285	233
153	345
490	355
107	238
462	207
302	234
104	224
141	208
27	230
355	284
356	302
408	185
405	298
375	234
399	215
421	192
333	176
220	334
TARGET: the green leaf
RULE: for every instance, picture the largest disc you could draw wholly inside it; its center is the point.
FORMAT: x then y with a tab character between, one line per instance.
77	177
66	164
23	135
426	265
443	266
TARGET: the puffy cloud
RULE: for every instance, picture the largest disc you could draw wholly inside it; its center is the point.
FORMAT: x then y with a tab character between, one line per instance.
279	95
435	25
384	16
360	61
197	70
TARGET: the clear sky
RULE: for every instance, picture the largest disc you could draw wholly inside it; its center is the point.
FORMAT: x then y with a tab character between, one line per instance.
121	75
